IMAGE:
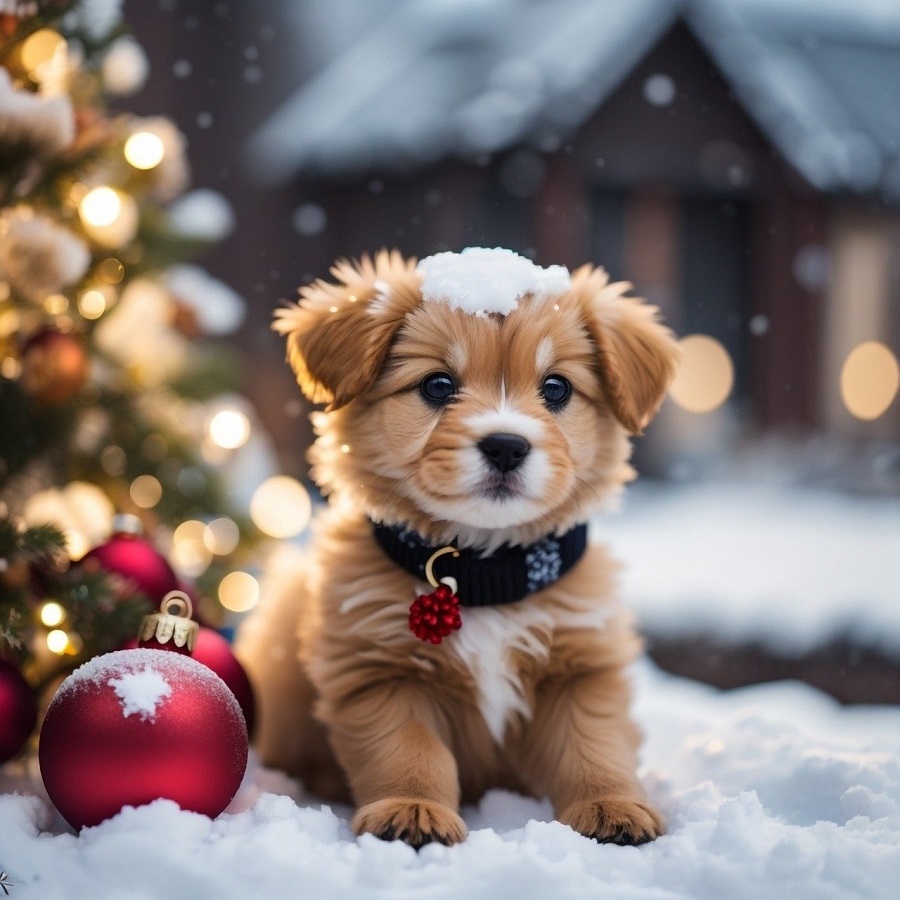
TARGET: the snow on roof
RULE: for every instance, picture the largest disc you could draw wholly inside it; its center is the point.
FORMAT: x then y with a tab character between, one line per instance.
460	77
482	281
439	78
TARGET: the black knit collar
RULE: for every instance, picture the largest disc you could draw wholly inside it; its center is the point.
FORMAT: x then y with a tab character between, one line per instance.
506	576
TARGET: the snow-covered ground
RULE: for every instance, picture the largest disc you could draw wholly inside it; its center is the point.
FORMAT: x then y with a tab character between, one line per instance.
770	792
743	559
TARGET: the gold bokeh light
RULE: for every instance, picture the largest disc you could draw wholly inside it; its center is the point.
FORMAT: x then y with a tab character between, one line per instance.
239	591
144	150
870	378
280	507
705	375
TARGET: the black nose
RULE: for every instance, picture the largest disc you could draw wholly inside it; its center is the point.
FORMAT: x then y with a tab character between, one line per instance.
504	451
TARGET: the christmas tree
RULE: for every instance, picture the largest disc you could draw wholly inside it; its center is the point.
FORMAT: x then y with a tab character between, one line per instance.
116	391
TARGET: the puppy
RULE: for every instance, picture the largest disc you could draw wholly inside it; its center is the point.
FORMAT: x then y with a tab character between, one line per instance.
478	411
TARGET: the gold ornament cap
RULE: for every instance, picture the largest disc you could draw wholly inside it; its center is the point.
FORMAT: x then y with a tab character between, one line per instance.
172	626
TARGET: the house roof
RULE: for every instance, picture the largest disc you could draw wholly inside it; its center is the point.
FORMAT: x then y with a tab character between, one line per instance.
468	78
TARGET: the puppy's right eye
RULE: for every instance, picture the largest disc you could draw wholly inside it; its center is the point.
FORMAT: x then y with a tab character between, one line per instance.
438	388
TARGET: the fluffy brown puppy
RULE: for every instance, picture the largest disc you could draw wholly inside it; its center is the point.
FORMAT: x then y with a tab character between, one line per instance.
477	405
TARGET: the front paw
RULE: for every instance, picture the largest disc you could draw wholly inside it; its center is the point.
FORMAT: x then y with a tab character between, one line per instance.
614	820
418	822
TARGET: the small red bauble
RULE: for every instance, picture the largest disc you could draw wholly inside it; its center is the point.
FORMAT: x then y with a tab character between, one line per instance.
134	558
18	711
133	726
214	651
55	365
433	616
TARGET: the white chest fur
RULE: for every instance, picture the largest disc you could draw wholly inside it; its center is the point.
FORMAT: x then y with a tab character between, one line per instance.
490	639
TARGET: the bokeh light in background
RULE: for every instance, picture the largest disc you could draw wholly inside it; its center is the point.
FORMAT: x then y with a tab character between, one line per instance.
57	641
869	380
280	507
110	217
145	491
39	49
229	429
92	304
221	536
705	375
144	150
190	556
100	207
238	591
52	614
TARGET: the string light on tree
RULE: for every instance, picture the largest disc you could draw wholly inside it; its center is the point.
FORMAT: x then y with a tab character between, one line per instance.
229	429
110	217
144	150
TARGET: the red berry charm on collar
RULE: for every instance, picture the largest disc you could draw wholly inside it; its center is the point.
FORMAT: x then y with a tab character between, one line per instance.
433	616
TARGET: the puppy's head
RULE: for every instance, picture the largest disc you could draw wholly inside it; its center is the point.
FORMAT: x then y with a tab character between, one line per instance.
476	396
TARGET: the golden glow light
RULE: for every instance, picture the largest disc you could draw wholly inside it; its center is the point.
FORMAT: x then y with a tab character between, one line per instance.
144	150
221	536
280	507
39	48
705	376
57	642
229	429
110	217
870	378
238	591
56	304
100	207
52	614
145	491
92	304
190	555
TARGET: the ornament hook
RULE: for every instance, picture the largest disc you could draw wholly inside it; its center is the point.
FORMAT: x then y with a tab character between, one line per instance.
177	603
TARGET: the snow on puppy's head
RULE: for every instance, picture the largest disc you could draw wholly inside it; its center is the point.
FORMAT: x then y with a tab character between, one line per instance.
480	281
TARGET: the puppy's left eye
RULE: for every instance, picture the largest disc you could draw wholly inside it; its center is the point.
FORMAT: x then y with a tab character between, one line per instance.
438	388
556	391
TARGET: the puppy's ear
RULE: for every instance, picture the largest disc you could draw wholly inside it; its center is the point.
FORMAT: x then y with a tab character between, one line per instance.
638	355
339	333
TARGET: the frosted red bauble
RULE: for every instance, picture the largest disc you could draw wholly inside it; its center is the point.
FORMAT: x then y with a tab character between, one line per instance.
134	726
136	559
18	711
214	651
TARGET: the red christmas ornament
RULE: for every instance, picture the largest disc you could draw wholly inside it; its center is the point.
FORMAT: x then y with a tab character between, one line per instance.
214	651
128	554
206	646
433	616
133	726
55	365
18	711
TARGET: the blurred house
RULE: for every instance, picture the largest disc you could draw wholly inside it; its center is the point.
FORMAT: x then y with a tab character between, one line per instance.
738	160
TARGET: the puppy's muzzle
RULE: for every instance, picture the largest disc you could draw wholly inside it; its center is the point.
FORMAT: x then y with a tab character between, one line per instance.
503	451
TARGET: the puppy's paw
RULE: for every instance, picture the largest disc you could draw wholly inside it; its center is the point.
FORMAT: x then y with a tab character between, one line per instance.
614	820
416	821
